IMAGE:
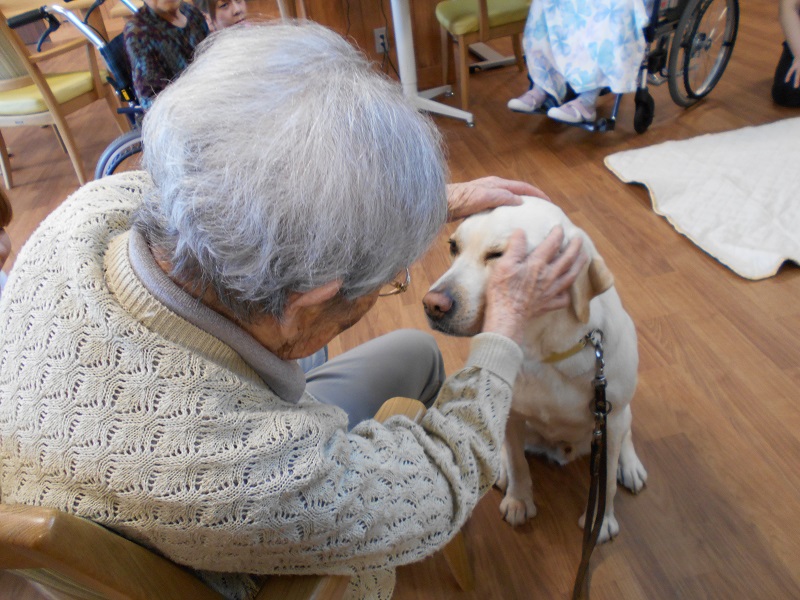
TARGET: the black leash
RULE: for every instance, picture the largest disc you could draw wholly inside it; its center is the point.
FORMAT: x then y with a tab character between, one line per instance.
598	468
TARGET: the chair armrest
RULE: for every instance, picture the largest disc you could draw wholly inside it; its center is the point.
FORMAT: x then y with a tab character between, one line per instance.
413	409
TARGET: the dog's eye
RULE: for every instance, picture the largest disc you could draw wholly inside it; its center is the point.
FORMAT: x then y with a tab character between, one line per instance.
492	256
453	247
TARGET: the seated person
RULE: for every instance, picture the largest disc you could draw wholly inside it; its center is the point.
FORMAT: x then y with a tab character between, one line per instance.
5	241
588	45
160	40
786	87
222	13
161	337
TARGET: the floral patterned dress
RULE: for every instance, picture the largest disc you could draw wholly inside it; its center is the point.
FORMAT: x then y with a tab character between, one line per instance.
588	44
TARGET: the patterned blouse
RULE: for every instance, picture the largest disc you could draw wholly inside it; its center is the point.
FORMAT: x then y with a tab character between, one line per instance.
159	51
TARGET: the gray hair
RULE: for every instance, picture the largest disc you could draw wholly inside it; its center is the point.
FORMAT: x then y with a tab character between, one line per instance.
281	161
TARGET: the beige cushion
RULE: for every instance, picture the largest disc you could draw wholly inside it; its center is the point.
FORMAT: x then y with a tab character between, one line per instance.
460	17
27	100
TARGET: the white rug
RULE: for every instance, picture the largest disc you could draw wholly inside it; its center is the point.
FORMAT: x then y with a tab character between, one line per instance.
734	194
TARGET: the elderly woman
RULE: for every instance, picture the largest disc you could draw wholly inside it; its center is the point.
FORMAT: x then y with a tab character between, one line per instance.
149	380
160	40
585	45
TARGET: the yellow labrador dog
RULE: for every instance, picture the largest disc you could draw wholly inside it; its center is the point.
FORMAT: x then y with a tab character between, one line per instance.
551	407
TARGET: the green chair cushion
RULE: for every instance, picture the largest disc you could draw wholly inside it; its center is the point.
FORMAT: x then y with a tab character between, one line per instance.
460	17
28	101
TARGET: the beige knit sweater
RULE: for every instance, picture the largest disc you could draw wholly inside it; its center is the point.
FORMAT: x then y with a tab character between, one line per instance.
115	408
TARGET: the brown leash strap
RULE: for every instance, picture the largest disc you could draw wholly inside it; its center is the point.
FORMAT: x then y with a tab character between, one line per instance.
598	468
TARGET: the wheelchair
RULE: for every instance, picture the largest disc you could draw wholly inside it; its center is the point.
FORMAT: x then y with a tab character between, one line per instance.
688	46
129	143
119	74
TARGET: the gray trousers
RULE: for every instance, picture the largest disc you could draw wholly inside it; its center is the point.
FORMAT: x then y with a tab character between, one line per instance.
406	363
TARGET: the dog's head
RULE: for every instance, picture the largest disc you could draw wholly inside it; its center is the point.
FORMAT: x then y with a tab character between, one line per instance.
455	303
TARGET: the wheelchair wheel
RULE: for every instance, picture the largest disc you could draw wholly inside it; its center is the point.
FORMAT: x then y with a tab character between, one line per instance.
701	48
121	149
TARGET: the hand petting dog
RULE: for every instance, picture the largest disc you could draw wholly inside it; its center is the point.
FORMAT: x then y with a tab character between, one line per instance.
471	197
523	286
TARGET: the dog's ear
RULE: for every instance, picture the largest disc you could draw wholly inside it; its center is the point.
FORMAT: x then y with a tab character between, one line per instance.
593	280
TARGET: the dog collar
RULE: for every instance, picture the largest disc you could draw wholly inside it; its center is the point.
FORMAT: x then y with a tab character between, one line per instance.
559	356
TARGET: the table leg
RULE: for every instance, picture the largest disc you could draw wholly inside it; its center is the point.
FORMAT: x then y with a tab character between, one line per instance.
407	68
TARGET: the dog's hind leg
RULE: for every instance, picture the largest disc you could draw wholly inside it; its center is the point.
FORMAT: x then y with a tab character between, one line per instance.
619	426
517	505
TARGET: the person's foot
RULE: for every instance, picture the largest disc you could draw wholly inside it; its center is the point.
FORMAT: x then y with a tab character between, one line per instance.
529	102
573	111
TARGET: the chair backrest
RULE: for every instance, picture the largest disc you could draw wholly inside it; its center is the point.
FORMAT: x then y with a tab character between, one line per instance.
13	73
22	66
75	558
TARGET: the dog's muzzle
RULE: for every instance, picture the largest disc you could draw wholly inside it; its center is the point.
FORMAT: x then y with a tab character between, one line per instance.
437	305
445	315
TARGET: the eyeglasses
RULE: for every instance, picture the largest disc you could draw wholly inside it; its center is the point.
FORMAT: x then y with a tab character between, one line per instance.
396	287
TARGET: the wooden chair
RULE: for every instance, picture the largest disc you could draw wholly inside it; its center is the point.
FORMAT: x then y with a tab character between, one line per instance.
120	11
72	558
468	22
29	97
455	553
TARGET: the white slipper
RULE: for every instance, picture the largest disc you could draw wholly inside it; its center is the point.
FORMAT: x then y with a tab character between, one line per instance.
573	111
529	102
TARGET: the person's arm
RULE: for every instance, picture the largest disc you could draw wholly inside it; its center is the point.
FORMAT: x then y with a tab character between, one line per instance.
470	197
790	23
320	499
148	70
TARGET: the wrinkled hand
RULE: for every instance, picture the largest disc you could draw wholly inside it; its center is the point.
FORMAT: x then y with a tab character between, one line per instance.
470	197
523	286
794	72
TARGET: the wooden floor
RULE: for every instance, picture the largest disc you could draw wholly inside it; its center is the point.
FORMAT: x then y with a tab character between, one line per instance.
717	412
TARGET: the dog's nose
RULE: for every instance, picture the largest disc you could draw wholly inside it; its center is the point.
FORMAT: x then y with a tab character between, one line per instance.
437	304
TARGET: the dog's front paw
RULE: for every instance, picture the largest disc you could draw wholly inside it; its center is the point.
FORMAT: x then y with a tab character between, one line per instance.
517	511
609	529
632	474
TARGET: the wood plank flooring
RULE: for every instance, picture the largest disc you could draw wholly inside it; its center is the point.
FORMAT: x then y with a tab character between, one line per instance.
717	411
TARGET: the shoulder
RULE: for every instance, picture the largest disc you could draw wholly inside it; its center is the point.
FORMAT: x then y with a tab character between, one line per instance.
69	245
139	22
98	208
193	14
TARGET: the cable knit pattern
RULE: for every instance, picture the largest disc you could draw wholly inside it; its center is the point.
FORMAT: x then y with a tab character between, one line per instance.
114	408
